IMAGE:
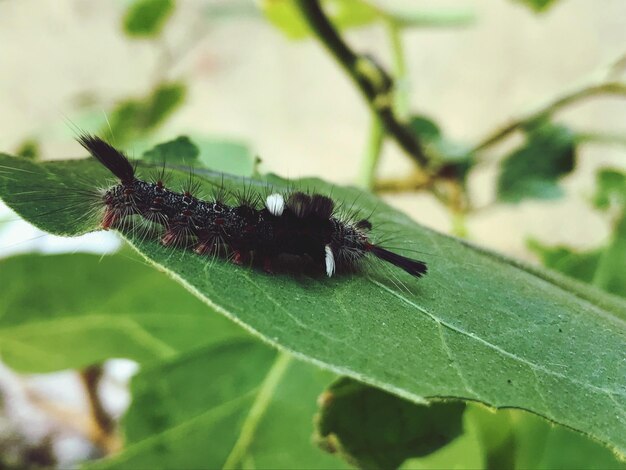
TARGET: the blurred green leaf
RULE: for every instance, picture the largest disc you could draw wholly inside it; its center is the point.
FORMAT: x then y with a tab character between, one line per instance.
371	428
538	6
463	453
516	439
533	170
453	158
29	148
146	18
232	405
228	156
610	189
578	264
540	444
133	118
478	327
604	266
343	13
219	155
425	128
68	311
180	151
610	274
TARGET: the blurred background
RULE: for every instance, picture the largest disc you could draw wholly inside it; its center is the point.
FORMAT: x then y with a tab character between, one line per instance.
228	74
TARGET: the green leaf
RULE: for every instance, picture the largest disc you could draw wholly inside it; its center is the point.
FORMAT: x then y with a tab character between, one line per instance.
463	453
29	148
516	439
89	308
453	159
231	405
135	117
538	444
539	6
371	428
611	189
425	128
610	274
229	156
284	14
580	265
533	170
146	18
479	326
602	267
216	154
180	151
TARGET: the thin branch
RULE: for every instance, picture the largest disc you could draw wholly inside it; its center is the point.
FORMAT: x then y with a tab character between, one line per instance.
552	106
371	79
104	423
415	182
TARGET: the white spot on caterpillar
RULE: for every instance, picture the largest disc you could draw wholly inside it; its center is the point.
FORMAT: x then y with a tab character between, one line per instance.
275	203
330	261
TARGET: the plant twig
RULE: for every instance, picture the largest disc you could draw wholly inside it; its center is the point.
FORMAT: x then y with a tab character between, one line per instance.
373	82
374	146
104	424
415	182
552	106
401	92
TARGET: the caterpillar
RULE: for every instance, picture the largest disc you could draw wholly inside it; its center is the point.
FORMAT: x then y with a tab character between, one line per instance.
297	223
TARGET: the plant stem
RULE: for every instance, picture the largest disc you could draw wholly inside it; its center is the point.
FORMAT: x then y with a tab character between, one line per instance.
609	260
433	19
600	138
374	146
373	82
104	424
415	182
552	106
257	411
459	225
401	91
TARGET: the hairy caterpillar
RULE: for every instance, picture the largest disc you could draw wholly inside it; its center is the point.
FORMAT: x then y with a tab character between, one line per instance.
298	224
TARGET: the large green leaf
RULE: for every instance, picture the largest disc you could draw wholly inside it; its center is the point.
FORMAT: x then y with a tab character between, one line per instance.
477	327
232	405
64	311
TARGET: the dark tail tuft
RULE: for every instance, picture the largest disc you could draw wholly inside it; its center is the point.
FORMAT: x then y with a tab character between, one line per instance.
109	156
414	267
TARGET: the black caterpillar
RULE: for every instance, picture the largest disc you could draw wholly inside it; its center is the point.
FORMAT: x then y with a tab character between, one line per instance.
297	224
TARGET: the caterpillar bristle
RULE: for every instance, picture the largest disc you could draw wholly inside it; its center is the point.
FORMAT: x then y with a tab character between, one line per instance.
413	267
109	156
296	223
